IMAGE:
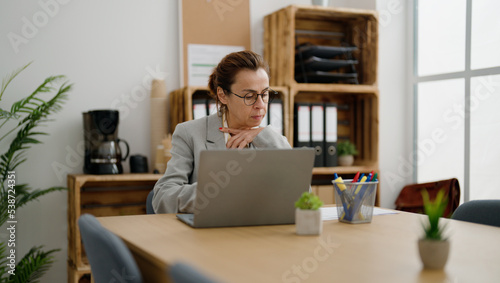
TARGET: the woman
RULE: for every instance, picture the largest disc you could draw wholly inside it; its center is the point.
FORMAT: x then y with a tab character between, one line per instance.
240	87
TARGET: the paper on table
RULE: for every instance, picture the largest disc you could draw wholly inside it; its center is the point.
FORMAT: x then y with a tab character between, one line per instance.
330	213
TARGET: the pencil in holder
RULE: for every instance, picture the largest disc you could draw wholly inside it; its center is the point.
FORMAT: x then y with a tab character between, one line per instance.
355	201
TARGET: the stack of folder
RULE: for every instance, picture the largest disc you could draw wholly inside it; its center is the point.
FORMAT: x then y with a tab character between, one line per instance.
325	64
315	125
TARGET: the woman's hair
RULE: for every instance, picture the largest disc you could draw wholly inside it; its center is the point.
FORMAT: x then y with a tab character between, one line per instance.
223	75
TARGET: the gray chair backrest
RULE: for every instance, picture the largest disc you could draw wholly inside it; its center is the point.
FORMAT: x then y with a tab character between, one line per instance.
479	211
149	203
185	273
110	259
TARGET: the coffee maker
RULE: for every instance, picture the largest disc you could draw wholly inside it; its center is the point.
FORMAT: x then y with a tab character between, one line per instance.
102	150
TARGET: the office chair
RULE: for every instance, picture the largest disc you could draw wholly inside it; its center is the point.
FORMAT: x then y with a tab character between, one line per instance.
110	259
185	273
149	203
479	211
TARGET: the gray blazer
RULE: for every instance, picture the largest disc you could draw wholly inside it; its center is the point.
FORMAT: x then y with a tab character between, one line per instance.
175	191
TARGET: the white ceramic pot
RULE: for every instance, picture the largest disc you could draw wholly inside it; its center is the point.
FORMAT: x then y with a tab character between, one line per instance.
308	222
346	160
323	3
434	254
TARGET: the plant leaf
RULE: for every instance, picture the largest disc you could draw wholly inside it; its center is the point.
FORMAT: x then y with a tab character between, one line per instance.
6	81
33	265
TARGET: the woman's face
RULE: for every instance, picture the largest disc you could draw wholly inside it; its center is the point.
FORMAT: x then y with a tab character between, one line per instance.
240	115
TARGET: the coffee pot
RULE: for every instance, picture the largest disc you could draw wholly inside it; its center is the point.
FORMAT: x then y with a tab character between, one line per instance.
102	150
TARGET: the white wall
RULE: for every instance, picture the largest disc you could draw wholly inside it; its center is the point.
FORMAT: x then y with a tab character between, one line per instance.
395	111
107	49
110	50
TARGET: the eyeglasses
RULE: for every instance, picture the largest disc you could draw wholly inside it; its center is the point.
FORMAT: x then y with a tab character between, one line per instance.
251	97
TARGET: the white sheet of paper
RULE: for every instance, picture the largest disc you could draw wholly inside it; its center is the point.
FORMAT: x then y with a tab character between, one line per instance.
202	58
330	213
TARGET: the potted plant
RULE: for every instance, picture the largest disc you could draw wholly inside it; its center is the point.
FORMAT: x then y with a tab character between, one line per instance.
308	215
433	247
346	151
16	138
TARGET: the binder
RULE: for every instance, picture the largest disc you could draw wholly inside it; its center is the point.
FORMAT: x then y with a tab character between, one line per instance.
265	120
276	115
302	125
212	107
199	108
318	133
331	157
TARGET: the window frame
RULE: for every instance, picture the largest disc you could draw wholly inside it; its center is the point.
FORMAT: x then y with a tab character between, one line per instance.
467	74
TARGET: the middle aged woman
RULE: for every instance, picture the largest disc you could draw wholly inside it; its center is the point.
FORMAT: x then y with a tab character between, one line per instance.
240	86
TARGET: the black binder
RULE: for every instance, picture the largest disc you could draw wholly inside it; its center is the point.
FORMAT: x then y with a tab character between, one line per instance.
318	133
330	152
302	125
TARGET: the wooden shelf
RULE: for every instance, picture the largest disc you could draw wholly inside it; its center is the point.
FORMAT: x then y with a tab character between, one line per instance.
357	28
357	104
101	195
343	169
336	88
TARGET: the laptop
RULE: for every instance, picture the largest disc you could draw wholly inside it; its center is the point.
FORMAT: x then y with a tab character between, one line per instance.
250	187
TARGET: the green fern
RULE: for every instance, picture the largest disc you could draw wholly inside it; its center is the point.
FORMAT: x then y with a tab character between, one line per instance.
6	81
33	265
30	112
3	261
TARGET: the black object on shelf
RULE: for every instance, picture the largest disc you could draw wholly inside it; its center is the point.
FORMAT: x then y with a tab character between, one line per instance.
313	64
308	50
326	77
319	64
138	164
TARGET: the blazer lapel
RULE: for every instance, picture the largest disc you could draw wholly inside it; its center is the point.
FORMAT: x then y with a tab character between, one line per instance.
215	138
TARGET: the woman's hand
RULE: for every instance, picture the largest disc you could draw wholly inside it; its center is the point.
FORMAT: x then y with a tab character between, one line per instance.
240	138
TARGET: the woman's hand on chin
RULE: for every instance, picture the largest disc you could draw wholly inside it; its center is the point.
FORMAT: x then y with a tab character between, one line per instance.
240	138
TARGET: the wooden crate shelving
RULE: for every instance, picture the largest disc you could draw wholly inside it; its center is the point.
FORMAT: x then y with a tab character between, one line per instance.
357	117
286	28
358	104
101	195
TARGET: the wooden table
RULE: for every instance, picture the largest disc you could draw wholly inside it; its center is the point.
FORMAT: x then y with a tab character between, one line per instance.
382	251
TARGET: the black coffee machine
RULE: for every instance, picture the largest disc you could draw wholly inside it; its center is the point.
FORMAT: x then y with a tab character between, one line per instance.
102	150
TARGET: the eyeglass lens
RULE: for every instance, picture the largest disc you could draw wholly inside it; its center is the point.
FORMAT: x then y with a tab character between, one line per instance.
251	98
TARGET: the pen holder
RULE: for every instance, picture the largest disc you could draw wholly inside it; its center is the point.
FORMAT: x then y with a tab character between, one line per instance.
355	201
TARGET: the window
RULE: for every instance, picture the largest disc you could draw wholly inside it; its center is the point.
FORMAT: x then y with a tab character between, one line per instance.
457	93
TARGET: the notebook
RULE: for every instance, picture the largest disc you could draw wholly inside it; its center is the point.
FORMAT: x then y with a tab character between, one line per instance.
250	187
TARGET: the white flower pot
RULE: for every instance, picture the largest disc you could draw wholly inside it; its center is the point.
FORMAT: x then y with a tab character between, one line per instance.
346	160
434	254
308	222
323	3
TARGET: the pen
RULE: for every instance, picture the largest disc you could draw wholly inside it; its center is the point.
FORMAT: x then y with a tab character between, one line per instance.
355	177
359	198
360	178
344	197
363	179
375	177
368	179
370	176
